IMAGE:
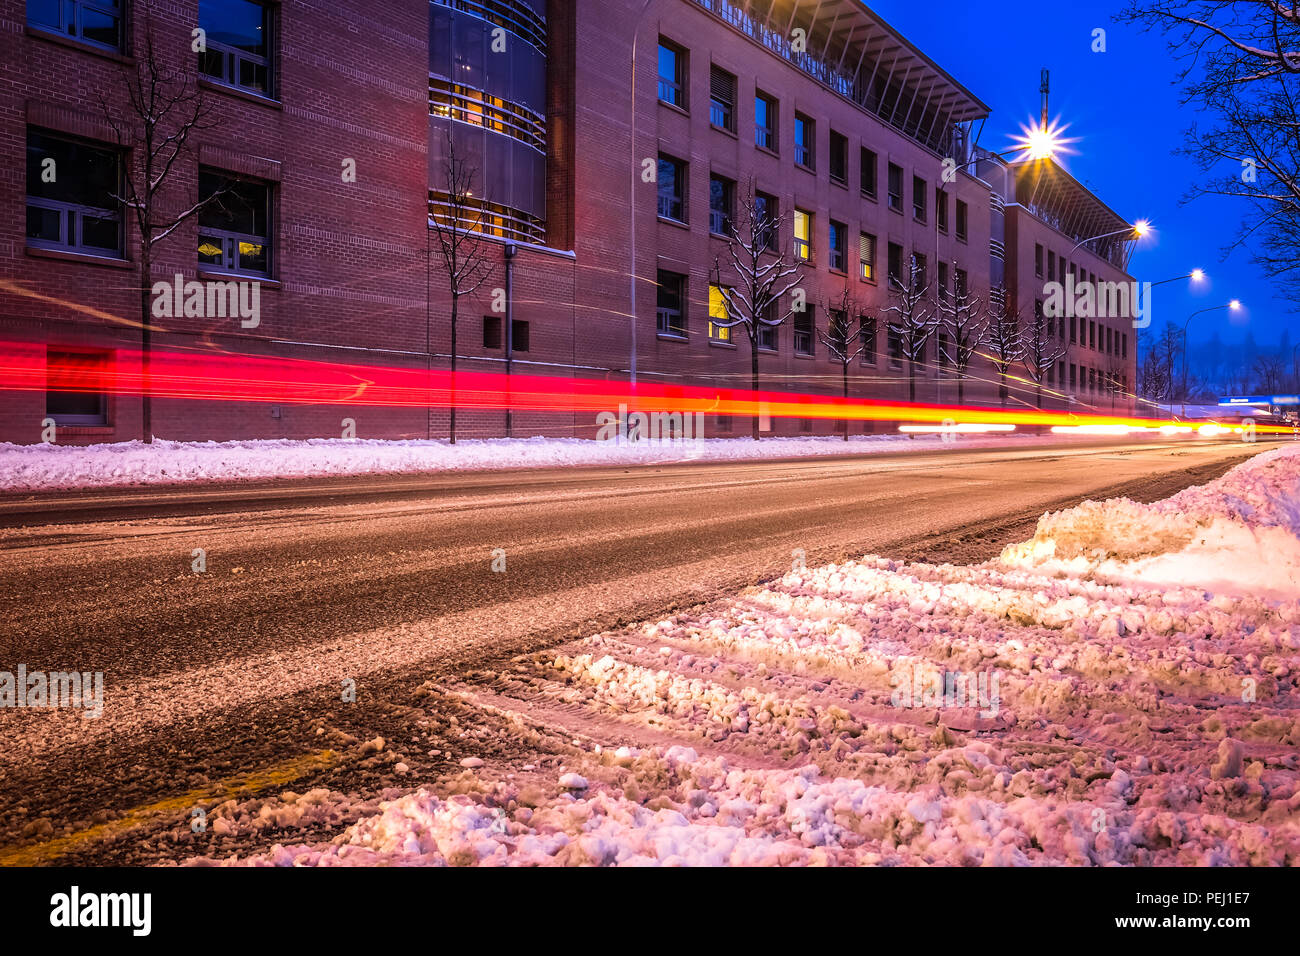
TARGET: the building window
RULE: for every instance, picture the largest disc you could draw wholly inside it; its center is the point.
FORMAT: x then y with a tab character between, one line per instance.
837	331
767	210
869	163
1092	335
1124	345
98	22
722	198
672	74
234	229
895	264
839	240
69	396
895	347
1051	266
895	188
670	314
672	189
945	353
477	108
918	273
718	311
70	190
767	340
943	282
941	209
238	47
867	256
961	220
962	285
519	339
920	189
805	138
839	159
802	235
867	334
803	332
1038	260
722	99
765	122
491	331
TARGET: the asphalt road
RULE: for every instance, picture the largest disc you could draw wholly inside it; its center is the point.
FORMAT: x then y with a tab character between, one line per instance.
388	585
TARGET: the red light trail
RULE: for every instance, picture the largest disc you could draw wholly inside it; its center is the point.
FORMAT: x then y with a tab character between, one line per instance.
228	378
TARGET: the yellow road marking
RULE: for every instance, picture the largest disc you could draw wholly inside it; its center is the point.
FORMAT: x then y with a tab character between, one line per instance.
238	786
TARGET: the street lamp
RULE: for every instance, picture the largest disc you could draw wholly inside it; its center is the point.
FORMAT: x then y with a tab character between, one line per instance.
1139	230
1196	275
1232	306
634	167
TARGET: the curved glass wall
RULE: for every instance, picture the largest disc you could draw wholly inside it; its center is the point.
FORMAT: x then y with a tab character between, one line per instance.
487	95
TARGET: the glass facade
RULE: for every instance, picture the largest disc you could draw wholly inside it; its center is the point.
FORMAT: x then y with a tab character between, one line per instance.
487	92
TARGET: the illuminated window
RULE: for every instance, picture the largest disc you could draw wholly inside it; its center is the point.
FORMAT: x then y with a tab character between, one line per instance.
235	227
765	122
867	256
672	189
718	311
802	235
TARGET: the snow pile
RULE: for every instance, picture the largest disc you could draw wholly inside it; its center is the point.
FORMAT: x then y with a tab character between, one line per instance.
1028	711
27	468
1239	534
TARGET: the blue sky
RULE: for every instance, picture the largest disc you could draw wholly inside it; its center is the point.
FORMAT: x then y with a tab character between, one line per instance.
1124	109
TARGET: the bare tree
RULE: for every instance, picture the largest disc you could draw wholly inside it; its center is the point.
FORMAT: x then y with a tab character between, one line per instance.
765	276
914	317
1270	373
165	110
841	344
1239	62
1154	380
1005	337
964	319
1040	350
456	230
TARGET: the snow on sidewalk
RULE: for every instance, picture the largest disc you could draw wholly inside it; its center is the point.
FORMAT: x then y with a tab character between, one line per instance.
1067	703
33	468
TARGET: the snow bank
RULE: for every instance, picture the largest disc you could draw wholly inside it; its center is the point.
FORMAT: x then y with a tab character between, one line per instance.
1239	534
27	468
1120	717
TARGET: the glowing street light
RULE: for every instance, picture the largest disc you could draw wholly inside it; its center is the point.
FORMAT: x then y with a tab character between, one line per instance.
1233	306
1139	230
1197	275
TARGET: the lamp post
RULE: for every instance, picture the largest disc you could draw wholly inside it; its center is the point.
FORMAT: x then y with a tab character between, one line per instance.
1139	229
633	167
1232	306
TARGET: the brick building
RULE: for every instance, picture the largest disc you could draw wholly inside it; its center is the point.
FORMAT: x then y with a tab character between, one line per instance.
327	132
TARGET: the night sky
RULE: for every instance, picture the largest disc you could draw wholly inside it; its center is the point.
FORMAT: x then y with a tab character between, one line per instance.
1125	111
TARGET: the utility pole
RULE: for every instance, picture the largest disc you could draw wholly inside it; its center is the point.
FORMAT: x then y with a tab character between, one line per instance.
1045	88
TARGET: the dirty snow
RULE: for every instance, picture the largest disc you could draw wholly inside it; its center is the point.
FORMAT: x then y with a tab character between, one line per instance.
1113	692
